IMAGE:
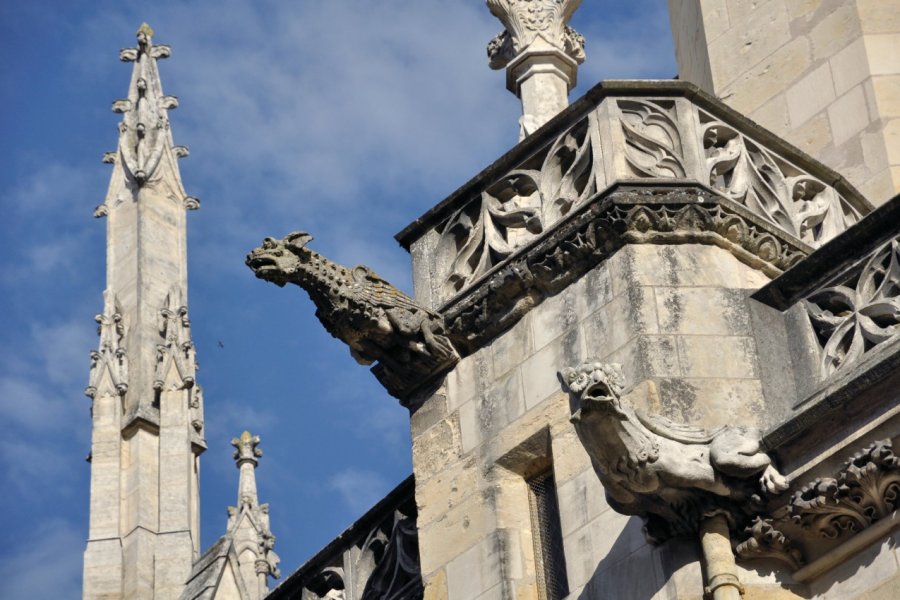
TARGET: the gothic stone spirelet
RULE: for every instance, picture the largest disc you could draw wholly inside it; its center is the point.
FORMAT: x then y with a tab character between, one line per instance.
146	155
672	475
378	321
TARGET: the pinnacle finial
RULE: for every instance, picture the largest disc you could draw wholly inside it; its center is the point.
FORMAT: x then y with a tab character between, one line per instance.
144	30
246	450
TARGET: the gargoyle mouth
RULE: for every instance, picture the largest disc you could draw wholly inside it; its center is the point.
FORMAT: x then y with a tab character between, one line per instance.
598	392
265	266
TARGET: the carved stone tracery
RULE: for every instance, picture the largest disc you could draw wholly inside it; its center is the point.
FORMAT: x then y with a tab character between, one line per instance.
860	311
653	137
522	205
770	186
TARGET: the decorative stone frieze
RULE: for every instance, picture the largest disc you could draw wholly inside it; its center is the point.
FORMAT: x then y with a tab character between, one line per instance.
654	214
672	475
177	350
376	320
827	513
110	358
770	186
858	311
541	54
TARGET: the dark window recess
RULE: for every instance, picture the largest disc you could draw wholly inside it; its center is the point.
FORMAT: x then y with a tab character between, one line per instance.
547	535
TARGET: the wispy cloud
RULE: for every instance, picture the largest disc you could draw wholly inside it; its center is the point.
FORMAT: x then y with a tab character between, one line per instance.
46	563
358	489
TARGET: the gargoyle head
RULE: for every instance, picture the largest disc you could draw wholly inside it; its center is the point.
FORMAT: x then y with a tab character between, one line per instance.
276	260
596	385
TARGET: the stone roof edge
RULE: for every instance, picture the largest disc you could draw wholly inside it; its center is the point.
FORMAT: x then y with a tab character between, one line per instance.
582	106
399	495
833	258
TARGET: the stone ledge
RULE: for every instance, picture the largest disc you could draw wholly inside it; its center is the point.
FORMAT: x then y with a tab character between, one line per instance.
646	212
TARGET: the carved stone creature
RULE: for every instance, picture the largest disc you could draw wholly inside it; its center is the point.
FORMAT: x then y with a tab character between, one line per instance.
378	321
670	474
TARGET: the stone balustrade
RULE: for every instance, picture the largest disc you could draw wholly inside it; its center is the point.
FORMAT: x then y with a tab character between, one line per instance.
656	133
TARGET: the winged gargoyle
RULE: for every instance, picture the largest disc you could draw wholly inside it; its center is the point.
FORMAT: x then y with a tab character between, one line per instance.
378	321
670	474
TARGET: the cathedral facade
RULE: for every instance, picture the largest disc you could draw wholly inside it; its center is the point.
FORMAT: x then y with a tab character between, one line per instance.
652	350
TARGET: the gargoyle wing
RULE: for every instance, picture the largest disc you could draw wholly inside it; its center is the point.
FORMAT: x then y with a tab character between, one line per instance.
686	434
372	289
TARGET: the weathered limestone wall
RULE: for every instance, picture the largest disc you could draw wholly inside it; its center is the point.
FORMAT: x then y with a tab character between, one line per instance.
823	74
678	319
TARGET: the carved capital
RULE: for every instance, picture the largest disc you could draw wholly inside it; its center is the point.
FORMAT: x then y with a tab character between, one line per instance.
246	450
534	25
376	320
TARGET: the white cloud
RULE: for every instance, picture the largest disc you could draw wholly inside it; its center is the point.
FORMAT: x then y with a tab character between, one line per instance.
358	489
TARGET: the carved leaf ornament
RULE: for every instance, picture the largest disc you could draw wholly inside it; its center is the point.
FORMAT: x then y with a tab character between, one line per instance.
866	491
771	188
851	318
520	206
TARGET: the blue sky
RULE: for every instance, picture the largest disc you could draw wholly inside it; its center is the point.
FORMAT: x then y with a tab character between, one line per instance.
346	118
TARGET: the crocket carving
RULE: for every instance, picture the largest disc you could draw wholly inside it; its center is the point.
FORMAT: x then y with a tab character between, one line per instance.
670	474
376	320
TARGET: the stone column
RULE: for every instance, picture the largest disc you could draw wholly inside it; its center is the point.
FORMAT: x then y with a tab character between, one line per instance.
541	54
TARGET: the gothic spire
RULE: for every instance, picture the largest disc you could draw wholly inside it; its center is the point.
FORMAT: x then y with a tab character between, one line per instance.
146	155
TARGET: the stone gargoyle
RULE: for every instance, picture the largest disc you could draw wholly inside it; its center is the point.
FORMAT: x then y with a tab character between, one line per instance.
376	320
670	474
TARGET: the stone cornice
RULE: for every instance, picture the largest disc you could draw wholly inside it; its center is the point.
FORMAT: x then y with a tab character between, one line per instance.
578	110
636	213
